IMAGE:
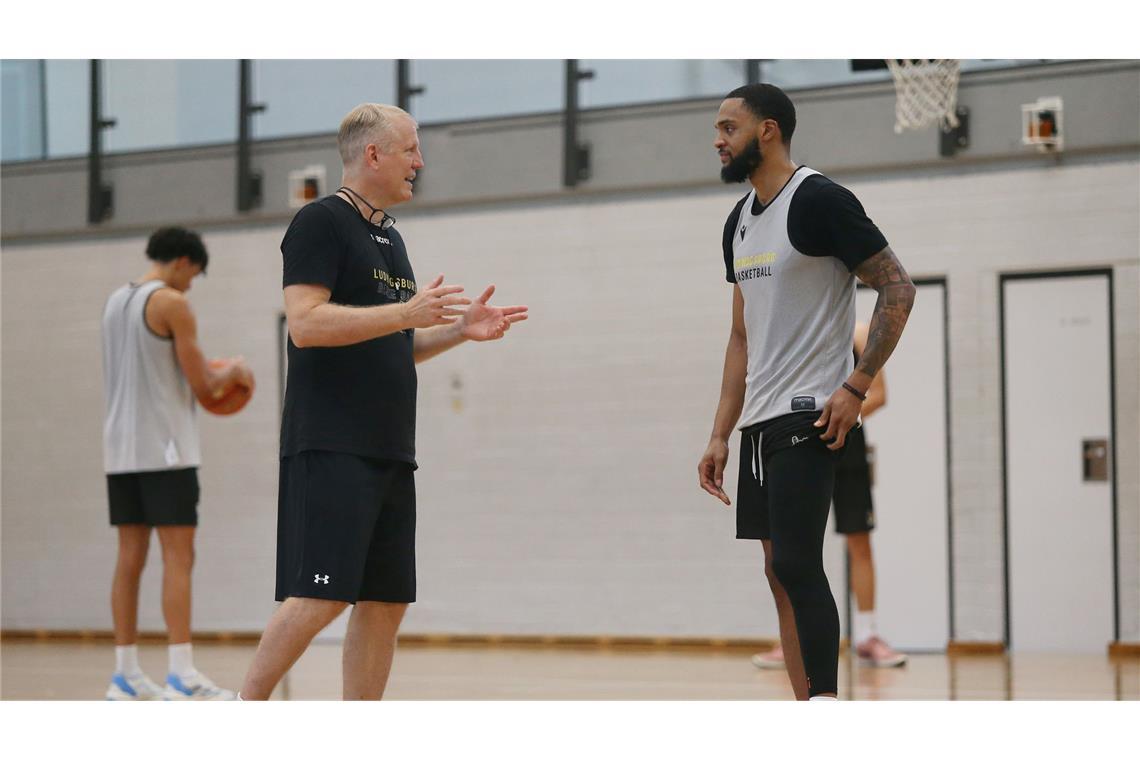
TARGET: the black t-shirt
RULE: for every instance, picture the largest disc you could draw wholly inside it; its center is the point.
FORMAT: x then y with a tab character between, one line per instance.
358	399
824	219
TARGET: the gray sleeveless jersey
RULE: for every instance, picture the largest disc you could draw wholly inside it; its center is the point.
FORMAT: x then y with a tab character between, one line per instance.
150	421
799	313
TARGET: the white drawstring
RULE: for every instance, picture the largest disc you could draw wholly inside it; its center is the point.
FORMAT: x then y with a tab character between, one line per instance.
757	463
752	455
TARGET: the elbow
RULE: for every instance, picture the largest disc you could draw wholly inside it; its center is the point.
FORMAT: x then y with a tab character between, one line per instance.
307	327
898	296
299	334
910	292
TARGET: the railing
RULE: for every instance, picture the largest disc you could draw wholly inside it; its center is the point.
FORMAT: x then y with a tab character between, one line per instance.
145	105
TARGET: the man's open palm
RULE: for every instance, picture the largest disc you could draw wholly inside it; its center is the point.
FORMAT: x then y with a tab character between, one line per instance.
482	321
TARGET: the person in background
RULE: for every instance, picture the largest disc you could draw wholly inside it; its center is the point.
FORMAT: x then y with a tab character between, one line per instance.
153	369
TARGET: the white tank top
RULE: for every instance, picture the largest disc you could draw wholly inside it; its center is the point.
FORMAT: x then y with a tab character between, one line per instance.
799	313
150	421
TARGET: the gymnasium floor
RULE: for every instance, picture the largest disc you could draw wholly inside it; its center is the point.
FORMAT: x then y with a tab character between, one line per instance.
35	670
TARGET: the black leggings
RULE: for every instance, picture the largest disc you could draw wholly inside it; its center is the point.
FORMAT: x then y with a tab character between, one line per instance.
799	482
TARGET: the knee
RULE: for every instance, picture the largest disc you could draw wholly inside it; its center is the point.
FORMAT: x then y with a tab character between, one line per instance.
131	563
132	559
784	572
770	573
178	558
795	574
390	612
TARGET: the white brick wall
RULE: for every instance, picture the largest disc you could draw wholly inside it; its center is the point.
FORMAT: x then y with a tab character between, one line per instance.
557	488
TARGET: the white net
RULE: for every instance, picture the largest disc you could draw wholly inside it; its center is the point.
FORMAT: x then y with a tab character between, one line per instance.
926	92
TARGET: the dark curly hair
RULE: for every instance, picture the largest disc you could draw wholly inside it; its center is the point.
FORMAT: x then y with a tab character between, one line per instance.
170	243
767	101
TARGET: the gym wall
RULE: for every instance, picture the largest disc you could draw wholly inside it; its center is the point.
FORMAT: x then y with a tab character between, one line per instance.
557	484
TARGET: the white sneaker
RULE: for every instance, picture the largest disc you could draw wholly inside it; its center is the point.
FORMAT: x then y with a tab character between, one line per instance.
195	687
131	688
878	653
773	659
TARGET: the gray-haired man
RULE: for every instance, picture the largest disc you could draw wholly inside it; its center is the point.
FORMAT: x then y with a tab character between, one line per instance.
358	324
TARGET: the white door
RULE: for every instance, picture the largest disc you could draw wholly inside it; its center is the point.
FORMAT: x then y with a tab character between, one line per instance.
910	542
1058	486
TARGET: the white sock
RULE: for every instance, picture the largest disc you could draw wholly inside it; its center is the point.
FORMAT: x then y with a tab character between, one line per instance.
864	626
182	660
821	698
127	660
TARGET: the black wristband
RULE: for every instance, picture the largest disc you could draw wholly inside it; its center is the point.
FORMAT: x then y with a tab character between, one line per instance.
854	391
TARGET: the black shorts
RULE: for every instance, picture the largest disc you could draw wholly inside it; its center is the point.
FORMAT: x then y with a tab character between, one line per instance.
854	510
159	497
759	445
346	528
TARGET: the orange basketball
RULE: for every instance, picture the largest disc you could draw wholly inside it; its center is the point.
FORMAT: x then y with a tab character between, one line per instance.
233	397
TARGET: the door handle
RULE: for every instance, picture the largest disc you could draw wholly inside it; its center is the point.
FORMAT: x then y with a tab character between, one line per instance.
1094	459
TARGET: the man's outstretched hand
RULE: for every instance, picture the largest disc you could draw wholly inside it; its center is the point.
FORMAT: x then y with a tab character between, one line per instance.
481	321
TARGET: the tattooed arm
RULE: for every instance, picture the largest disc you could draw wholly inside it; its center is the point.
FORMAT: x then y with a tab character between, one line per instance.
885	274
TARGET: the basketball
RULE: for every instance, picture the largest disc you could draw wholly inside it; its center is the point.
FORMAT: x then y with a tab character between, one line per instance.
232	398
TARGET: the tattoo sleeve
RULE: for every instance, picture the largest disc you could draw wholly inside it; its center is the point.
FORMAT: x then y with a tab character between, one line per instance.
885	274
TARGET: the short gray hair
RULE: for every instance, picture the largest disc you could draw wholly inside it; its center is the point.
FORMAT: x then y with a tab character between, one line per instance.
368	123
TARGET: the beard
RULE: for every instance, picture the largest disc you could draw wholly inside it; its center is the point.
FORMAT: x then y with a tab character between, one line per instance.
741	167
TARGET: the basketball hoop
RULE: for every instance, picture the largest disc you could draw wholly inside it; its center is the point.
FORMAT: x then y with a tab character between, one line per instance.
926	92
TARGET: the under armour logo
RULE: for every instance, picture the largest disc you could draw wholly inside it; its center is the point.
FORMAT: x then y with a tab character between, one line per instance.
742	229
318	578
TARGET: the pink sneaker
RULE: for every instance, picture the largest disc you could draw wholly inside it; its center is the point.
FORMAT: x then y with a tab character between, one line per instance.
773	659
878	653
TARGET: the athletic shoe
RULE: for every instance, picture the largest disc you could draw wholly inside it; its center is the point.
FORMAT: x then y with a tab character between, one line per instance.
196	687
773	659
877	653
136	687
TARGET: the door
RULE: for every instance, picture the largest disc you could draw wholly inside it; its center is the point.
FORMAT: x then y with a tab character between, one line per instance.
1058	452
911	539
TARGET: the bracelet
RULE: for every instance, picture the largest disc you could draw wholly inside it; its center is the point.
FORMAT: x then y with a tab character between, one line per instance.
854	391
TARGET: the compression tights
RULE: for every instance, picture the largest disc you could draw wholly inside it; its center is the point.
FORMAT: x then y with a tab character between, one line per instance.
800	481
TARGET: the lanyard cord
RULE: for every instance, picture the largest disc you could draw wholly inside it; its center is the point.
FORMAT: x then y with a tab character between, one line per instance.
385	222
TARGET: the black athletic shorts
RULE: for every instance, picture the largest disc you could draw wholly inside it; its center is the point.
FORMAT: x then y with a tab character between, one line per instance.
346	528
757	445
854	510
158	497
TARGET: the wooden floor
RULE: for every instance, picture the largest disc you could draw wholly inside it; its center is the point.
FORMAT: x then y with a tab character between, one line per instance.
36	670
